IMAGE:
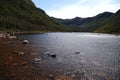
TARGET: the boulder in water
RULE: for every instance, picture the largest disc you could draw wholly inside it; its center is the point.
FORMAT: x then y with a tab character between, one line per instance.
25	42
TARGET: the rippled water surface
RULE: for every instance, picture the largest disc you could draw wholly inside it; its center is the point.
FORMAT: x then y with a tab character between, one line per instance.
87	56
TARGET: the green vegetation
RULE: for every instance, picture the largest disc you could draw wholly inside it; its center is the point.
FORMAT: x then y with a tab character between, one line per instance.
112	25
22	15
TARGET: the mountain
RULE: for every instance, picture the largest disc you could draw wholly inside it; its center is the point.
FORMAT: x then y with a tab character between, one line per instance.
23	15
85	24
112	25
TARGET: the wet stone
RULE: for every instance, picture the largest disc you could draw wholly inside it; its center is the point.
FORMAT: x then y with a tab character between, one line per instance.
25	41
10	42
20	53
50	54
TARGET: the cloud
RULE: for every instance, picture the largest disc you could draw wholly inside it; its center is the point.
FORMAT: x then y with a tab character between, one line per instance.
84	8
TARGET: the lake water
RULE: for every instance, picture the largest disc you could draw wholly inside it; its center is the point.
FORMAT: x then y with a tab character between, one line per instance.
87	56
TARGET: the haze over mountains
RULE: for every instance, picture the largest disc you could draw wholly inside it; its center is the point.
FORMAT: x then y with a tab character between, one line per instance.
23	15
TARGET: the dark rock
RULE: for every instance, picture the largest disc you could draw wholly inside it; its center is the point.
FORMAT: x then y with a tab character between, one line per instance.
77	52
50	54
53	55
15	52
19	53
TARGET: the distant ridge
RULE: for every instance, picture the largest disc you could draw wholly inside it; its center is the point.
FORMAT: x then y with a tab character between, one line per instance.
85	24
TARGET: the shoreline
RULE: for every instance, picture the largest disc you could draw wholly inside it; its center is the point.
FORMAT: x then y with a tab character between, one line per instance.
38	32
15	66
17	62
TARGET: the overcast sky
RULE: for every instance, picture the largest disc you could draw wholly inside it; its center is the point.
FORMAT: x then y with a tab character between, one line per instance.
77	8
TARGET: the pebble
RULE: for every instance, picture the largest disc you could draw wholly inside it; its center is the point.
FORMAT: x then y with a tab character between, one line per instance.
10	42
19	53
38	59
12	37
73	75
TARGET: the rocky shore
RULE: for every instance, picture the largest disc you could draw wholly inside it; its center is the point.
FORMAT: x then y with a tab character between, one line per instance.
18	62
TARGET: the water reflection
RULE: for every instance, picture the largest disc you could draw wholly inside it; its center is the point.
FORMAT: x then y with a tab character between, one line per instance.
97	58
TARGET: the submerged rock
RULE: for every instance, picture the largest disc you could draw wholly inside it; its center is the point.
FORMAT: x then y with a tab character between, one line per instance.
53	55
50	54
77	52
12	37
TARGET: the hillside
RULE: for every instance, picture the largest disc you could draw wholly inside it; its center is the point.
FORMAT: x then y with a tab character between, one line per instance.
85	24
22	15
112	25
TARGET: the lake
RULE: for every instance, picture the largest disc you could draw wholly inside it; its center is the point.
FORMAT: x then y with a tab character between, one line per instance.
87	56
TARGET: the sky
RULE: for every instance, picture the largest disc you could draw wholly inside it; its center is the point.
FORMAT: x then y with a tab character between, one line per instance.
67	9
